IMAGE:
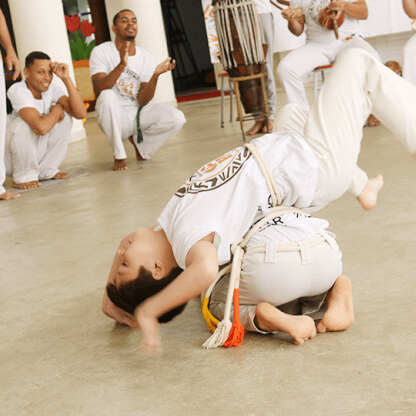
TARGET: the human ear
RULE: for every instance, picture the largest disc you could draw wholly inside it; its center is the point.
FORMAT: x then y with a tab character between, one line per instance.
159	271
25	72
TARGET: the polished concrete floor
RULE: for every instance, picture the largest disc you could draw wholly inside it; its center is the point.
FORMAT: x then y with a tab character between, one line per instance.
59	355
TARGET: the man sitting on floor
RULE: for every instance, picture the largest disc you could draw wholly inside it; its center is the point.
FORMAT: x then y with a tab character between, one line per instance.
124	77
39	127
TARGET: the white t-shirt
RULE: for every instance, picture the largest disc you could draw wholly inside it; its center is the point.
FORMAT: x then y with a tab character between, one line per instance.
314	31
225	195
140	68
21	97
263	6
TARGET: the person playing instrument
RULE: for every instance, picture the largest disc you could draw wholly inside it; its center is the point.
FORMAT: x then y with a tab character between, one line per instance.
40	125
12	63
217	205
321	47
264	8
124	78
409	61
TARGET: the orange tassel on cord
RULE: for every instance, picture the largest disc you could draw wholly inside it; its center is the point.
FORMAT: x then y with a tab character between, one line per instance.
237	330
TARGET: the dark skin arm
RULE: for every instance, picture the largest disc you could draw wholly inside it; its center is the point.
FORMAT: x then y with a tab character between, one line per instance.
147	89
296	20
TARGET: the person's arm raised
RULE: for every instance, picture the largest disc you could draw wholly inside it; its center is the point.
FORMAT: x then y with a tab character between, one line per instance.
357	9
5	41
147	89
103	81
72	103
296	20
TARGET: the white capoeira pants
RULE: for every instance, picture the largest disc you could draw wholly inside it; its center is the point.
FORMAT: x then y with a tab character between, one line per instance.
294	285
303	60
268	33
357	85
3	114
117	119
31	157
409	60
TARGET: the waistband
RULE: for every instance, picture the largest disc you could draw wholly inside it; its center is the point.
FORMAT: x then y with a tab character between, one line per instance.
271	248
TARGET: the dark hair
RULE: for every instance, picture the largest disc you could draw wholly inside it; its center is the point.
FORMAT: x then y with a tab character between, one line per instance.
116	16
129	295
30	59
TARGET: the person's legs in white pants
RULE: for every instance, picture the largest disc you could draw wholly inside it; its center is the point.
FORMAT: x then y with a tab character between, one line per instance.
51	153
117	119
158	122
3	116
29	157
409	60
299	62
115	115
268	32
357	86
268	38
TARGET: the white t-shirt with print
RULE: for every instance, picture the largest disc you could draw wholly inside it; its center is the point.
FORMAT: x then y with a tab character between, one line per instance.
263	6
140	68
314	31
226	194
21	97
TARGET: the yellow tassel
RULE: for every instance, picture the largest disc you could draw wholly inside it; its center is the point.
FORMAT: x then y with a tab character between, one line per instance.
209	318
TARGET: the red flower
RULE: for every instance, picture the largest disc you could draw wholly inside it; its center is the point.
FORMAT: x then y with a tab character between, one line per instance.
72	23
87	29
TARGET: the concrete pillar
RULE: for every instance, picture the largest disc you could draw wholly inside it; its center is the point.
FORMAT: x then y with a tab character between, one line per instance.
40	26
151	36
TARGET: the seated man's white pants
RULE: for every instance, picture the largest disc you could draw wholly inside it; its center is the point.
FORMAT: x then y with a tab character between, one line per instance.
117	119
31	157
303	60
357	86
289	278
3	113
409	61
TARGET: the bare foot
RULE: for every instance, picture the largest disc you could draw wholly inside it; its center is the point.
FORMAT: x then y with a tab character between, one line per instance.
268	318
373	121
368	196
120	164
269	127
27	185
138	155
61	175
8	195
256	128
340	313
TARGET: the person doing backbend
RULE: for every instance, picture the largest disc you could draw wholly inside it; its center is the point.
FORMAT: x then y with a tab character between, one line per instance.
217	205
40	125
124	78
